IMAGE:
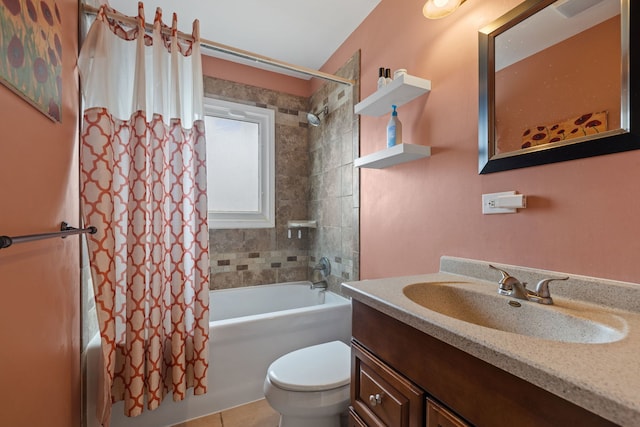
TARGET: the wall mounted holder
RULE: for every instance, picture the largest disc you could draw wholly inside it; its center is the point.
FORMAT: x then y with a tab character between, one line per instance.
401	90
65	230
300	224
391	156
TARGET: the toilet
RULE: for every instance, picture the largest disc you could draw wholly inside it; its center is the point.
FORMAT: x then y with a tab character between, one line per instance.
310	387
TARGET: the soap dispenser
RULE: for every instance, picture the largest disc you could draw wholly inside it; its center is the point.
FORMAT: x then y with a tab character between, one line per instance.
394	129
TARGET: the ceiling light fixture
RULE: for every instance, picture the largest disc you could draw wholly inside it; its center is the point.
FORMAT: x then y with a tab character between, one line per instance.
436	9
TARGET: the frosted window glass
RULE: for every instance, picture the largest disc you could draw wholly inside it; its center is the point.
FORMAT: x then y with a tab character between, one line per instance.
240	165
233	150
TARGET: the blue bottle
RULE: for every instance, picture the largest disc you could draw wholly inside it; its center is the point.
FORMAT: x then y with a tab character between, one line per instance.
394	129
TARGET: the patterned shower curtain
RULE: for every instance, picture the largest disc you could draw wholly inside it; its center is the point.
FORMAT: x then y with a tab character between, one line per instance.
143	185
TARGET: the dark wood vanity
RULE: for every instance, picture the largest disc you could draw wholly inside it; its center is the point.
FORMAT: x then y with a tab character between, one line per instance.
402	377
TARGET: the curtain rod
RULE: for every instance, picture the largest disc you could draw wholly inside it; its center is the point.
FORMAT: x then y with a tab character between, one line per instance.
218	47
65	230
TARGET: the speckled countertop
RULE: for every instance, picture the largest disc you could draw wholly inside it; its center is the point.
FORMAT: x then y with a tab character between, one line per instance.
602	378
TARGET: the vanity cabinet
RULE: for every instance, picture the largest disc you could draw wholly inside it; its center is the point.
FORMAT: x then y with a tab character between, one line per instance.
434	384
439	416
380	396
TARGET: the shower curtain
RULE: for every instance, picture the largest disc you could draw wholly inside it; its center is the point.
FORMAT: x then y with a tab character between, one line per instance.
143	185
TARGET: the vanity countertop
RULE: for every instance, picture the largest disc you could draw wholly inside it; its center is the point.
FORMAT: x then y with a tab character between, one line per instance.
602	378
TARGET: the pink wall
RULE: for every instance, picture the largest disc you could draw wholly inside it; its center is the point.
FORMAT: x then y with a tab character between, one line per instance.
414	213
239	73
40	281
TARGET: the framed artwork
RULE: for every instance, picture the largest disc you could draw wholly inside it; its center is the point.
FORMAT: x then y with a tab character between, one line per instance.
31	53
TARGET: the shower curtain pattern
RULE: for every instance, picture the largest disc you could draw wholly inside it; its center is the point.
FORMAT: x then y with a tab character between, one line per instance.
144	188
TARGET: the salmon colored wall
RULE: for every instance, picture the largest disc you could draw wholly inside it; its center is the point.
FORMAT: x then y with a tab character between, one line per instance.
40	281
582	215
240	73
590	84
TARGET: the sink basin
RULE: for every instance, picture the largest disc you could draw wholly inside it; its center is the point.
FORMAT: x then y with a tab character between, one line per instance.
480	304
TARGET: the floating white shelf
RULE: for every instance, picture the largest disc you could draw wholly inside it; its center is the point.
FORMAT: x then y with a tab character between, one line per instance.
393	156
400	91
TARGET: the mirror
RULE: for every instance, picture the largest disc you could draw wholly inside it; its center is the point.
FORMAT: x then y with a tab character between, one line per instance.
555	83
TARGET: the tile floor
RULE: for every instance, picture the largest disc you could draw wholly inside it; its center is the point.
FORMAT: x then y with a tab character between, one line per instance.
255	414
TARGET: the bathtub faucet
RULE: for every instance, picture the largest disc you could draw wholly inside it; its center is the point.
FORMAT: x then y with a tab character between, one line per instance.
324	266
322	285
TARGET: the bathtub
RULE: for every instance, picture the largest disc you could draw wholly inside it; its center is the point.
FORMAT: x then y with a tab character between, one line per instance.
249	328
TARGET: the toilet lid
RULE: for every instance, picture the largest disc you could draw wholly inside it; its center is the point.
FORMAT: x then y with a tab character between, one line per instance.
316	368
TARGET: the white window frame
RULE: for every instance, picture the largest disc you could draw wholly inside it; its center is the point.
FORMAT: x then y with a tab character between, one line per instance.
264	217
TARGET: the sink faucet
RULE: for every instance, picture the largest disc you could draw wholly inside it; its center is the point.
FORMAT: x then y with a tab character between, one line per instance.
512	287
542	294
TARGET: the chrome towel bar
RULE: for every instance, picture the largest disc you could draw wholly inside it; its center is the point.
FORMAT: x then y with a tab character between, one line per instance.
65	230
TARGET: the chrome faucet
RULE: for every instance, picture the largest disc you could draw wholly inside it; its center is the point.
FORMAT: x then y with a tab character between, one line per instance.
542	294
322	285
324	266
512	287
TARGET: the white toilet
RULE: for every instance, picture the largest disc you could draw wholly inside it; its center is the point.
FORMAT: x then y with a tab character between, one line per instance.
310	387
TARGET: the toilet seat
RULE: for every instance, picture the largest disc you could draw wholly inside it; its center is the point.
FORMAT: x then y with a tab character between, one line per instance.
316	368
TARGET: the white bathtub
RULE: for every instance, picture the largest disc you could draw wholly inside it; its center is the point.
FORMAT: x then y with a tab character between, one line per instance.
249	328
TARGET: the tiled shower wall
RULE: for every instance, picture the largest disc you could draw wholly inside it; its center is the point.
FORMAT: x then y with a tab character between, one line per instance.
245	257
335	185
315	179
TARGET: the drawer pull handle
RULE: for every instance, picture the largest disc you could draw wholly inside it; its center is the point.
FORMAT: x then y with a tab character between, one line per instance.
375	400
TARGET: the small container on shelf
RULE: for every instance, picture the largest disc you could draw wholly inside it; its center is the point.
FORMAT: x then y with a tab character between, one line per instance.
381	80
394	129
399	72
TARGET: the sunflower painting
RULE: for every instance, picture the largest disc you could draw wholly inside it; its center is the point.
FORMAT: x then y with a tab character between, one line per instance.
31	52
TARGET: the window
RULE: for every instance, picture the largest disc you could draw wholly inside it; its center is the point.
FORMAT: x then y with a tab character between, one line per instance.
240	165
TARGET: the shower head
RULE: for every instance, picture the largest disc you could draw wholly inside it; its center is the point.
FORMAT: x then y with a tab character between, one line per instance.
314	119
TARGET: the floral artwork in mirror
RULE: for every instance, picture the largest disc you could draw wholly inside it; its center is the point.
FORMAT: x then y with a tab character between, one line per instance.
555	83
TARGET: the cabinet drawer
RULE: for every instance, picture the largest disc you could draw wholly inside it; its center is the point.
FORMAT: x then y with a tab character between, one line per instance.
382	397
438	416
354	419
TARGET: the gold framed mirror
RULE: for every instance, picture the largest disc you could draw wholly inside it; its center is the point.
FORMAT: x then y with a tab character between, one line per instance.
555	83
